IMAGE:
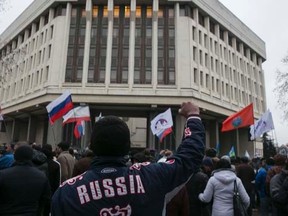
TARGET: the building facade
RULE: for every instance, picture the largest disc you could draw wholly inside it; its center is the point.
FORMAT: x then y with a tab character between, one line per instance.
133	59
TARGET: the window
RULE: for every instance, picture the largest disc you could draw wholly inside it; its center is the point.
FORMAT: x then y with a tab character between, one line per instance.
143	46
166	45
74	67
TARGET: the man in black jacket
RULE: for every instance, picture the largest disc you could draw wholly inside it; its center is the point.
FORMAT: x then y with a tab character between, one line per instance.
109	187
24	190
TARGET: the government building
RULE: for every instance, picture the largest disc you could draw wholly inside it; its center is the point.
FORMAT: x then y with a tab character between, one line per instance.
133	59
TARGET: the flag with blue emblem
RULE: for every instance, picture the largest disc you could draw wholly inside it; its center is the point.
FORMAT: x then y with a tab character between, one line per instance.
243	118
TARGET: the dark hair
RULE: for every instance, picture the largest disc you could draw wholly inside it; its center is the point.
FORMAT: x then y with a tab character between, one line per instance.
279	160
47	150
244	159
211	152
64	145
222	164
110	137
270	161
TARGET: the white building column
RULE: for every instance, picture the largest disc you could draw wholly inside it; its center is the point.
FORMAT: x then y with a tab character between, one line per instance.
87	41
131	60
65	41
155	43
177	73
109	43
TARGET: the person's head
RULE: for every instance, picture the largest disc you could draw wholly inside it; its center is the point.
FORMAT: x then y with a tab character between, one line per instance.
211	152
47	150
269	161
62	146
226	157
20	143
244	159
71	151
223	163
279	160
23	153
110	137
207	165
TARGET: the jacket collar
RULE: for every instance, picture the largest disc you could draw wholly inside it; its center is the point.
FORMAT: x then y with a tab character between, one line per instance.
109	161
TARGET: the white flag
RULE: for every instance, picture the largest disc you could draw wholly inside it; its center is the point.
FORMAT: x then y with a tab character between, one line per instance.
161	122
247	154
77	114
262	125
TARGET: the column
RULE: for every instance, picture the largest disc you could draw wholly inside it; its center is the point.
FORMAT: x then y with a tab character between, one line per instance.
87	41
132	44
109	43
155	43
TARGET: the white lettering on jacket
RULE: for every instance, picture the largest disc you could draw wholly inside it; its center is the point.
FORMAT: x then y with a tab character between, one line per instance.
108	188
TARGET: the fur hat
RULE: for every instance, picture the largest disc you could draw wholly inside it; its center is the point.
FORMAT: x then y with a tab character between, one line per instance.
110	137
23	153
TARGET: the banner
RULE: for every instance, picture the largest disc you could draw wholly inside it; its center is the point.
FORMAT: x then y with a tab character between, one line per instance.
243	118
162	124
262	125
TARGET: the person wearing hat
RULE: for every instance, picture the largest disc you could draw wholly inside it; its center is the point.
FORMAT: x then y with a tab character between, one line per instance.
24	190
109	187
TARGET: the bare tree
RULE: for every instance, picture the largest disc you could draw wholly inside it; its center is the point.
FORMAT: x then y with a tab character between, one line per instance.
2	5
281	88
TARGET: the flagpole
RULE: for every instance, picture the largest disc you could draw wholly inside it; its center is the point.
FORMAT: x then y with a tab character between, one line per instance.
53	134
7	131
237	142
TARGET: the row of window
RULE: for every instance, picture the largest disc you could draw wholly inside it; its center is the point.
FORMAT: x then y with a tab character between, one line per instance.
20	87
220	67
249	86
120	45
188	10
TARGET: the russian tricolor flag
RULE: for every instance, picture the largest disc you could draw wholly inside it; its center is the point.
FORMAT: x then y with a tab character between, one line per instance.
59	107
79	129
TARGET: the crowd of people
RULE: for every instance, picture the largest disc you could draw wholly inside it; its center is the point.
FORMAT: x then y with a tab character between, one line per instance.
110	179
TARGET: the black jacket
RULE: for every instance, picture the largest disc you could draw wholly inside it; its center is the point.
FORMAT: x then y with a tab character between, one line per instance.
109	187
23	190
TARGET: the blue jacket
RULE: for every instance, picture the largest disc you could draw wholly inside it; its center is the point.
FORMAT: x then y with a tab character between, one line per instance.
109	187
6	160
260	181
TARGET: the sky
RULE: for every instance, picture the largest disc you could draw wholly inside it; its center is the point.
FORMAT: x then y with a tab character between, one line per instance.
266	18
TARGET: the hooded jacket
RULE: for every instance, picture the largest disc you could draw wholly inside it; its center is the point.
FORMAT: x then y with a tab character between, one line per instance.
109	187
220	187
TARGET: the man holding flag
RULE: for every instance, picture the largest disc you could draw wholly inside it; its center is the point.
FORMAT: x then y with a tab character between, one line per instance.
109	187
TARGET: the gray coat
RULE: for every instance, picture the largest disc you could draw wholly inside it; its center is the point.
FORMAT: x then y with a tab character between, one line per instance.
220	187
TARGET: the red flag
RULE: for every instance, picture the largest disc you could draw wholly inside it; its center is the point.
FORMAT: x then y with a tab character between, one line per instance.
243	118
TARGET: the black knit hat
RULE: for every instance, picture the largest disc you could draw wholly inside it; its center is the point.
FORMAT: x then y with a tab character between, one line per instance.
23	153
110	137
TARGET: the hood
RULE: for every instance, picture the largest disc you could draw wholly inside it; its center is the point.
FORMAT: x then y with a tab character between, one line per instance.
38	157
225	176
